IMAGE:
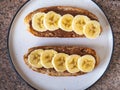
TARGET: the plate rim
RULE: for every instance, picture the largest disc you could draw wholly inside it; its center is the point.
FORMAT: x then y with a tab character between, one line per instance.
8	49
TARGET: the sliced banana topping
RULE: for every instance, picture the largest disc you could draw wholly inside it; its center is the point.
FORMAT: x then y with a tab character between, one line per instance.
65	22
59	62
37	22
71	63
51	20
34	58
46	58
86	63
78	23
92	29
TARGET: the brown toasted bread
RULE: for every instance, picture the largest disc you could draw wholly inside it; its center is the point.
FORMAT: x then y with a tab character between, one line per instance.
62	49
61	10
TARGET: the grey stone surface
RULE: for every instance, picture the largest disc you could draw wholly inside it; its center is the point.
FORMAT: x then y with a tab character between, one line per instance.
9	80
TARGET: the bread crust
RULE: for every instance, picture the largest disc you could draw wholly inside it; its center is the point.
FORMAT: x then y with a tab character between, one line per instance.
62	49
61	10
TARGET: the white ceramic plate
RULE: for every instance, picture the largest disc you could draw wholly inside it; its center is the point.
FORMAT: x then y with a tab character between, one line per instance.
20	40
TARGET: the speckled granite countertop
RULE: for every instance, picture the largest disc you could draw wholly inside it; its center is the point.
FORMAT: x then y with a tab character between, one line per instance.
9	80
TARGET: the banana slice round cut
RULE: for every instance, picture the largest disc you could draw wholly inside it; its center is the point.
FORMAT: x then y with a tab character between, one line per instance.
51	20
78	23
71	63
92	29
46	58
65	22
37	22
34	58
59	62
86	63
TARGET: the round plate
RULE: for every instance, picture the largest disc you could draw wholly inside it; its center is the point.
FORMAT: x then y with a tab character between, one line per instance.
20	40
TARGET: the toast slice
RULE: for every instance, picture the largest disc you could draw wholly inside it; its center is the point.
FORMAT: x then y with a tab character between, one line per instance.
62	49
61	10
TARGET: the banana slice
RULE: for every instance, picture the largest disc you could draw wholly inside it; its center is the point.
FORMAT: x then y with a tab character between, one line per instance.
65	22
46	58
37	22
86	63
92	29
71	63
78	23
34	58
51	20
58	62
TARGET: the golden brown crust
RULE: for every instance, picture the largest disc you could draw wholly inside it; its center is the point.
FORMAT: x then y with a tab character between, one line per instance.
62	49
61	10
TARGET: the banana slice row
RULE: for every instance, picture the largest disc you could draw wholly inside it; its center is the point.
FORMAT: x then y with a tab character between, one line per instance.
80	24
60	61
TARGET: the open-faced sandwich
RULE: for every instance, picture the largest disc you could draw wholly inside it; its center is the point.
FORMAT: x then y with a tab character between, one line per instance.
61	60
63	21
